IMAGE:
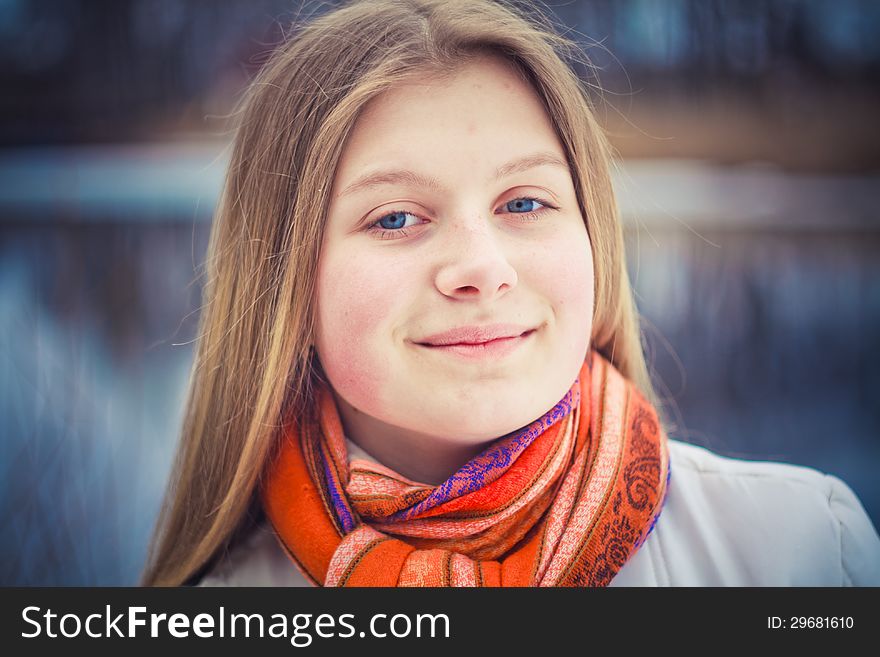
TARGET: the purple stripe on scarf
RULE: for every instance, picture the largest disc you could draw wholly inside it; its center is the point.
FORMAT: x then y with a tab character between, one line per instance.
491	464
337	495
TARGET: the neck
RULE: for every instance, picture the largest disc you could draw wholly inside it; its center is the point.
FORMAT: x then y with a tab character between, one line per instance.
420	457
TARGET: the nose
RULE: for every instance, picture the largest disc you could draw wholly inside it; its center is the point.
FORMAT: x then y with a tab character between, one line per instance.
474	266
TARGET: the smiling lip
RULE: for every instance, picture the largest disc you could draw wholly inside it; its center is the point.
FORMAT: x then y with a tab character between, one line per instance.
479	341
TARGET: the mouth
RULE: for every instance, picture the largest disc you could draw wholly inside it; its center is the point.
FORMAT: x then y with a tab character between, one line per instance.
477	343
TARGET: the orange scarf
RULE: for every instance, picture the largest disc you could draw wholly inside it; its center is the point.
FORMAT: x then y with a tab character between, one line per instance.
564	501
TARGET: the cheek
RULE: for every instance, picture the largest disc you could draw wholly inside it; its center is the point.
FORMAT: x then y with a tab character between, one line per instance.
566	279
576	285
357	304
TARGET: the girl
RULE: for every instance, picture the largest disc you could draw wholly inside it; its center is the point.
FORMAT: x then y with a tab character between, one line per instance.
419	361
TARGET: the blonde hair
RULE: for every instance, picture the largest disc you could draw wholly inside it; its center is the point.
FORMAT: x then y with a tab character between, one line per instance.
253	364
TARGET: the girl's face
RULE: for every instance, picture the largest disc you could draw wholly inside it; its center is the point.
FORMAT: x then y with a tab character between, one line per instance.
455	285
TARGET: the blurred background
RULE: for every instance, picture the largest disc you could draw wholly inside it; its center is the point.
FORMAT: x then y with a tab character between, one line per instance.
748	171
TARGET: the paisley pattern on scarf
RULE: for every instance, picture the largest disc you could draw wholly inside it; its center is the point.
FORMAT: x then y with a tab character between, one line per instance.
564	501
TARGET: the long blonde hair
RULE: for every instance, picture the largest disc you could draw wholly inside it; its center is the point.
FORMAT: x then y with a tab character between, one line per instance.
253	362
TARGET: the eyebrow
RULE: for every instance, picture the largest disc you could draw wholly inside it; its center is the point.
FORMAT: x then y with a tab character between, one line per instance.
413	179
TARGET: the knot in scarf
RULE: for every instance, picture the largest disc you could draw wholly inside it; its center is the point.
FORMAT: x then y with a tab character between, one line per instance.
564	501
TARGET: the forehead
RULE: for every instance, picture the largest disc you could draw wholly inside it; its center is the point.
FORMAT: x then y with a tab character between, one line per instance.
482	114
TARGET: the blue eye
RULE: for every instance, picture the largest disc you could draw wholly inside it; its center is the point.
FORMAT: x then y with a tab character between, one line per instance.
523	205
395	221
